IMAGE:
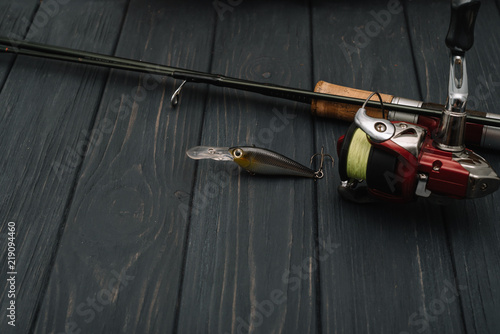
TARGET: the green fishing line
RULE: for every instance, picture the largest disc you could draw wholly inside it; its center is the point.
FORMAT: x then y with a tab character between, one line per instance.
357	157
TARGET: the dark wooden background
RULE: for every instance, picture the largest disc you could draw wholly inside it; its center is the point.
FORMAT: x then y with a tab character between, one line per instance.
119	232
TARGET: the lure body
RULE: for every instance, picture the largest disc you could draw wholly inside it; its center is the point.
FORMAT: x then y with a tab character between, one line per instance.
261	161
255	160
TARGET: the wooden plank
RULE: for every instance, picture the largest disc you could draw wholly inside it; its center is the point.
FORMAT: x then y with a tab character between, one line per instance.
249	234
393	264
126	220
15	18
472	226
45	106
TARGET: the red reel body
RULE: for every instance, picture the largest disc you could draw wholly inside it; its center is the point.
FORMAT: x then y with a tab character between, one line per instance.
409	164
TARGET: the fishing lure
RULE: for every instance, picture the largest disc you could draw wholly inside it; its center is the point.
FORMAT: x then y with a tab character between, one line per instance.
259	160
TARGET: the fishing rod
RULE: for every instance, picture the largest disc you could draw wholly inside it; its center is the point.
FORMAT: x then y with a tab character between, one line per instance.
328	100
397	149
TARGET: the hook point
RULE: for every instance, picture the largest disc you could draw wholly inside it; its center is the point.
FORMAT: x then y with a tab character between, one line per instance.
174	100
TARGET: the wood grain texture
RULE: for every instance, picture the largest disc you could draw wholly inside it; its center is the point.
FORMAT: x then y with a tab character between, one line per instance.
15	18
131	236
472	226
250	233
393	260
126	218
44	108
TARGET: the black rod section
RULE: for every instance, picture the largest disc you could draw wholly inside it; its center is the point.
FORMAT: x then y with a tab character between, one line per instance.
65	54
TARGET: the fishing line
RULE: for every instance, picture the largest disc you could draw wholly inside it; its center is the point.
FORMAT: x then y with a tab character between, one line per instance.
357	157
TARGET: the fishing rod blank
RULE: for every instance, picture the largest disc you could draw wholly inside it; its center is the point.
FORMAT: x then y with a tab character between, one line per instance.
294	94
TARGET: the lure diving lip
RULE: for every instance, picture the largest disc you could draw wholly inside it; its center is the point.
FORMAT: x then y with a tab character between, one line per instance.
258	160
209	152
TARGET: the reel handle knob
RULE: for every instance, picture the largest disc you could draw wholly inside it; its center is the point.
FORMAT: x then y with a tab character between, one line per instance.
460	37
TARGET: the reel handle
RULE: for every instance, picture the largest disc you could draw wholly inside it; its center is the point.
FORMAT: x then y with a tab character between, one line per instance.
450	135
460	37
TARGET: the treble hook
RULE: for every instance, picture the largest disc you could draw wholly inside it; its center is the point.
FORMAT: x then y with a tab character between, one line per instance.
319	172
175	96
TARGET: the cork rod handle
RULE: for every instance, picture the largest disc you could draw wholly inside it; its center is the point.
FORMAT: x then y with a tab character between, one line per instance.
344	111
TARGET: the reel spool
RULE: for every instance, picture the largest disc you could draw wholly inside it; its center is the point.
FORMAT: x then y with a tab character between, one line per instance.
388	174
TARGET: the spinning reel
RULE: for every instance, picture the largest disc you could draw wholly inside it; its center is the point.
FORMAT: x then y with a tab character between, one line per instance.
399	160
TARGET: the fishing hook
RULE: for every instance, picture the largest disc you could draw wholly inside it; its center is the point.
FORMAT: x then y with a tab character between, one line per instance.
319	173
175	96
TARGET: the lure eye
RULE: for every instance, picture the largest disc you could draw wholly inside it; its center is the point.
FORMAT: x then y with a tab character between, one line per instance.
238	153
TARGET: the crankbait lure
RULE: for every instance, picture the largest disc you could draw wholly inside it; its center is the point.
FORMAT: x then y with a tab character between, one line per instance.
258	160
